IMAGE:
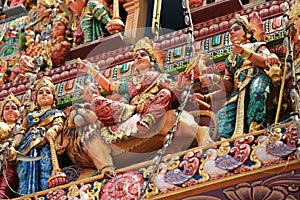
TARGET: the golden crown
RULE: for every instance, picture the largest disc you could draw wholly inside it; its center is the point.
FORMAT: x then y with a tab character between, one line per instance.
7	99
62	17
47	3
145	44
241	19
45	82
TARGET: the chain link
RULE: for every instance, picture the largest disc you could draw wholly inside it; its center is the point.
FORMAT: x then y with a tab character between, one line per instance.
184	99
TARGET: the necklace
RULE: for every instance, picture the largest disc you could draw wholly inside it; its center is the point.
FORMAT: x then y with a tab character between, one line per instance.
138	80
37	114
232	59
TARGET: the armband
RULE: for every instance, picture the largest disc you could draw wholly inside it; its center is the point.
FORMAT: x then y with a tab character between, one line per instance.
246	54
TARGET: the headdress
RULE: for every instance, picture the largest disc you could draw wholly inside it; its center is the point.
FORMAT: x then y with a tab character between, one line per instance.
145	44
45	82
243	20
254	25
47	3
62	17
9	98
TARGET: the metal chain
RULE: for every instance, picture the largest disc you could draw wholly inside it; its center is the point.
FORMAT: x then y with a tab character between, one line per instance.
184	98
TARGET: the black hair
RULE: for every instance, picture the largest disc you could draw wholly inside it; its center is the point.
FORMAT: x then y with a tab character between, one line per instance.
155	66
252	39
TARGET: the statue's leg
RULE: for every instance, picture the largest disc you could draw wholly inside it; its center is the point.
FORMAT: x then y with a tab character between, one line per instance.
189	126
100	19
111	112
100	153
86	27
203	136
258	94
154	109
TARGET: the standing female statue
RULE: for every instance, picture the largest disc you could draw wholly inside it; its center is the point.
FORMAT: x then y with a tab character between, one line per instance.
245	110
59	47
40	126
9	112
94	15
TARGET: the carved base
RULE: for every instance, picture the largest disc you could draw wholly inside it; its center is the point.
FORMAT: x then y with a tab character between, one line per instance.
57	178
115	26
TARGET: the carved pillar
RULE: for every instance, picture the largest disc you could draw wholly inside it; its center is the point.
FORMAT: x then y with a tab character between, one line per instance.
136	19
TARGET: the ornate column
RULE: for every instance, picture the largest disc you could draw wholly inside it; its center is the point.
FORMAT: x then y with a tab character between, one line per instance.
136	19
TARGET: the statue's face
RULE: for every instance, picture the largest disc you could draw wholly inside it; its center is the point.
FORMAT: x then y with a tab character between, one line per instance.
41	9
237	33
142	60
59	29
10	112
45	96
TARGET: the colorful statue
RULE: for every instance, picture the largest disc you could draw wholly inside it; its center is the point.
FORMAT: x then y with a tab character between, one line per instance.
30	45
245	111
40	126
136	122
295	33
24	68
93	18
9	115
147	93
39	16
3	69
59	47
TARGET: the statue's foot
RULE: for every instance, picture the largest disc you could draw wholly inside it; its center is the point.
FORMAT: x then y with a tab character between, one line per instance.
107	171
203	137
142	128
254	126
145	124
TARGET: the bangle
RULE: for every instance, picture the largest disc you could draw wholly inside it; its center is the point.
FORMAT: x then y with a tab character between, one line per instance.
13	144
246	54
21	131
114	86
207	97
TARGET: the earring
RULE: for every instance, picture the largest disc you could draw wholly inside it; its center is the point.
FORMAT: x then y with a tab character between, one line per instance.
152	64
248	35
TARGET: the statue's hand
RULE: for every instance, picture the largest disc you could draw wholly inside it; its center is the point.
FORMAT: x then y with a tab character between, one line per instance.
200	100
195	65
83	65
50	134
12	154
272	59
198	65
182	81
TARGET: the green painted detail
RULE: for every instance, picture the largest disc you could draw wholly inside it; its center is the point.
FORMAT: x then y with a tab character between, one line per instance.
69	100
177	52
124	68
176	68
216	40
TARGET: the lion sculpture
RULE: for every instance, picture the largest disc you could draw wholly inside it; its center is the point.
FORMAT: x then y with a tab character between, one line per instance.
83	143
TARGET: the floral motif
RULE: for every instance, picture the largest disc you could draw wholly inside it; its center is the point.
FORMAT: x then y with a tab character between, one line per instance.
123	186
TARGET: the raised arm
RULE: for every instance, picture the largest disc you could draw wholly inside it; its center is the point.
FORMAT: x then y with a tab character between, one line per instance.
85	66
262	58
